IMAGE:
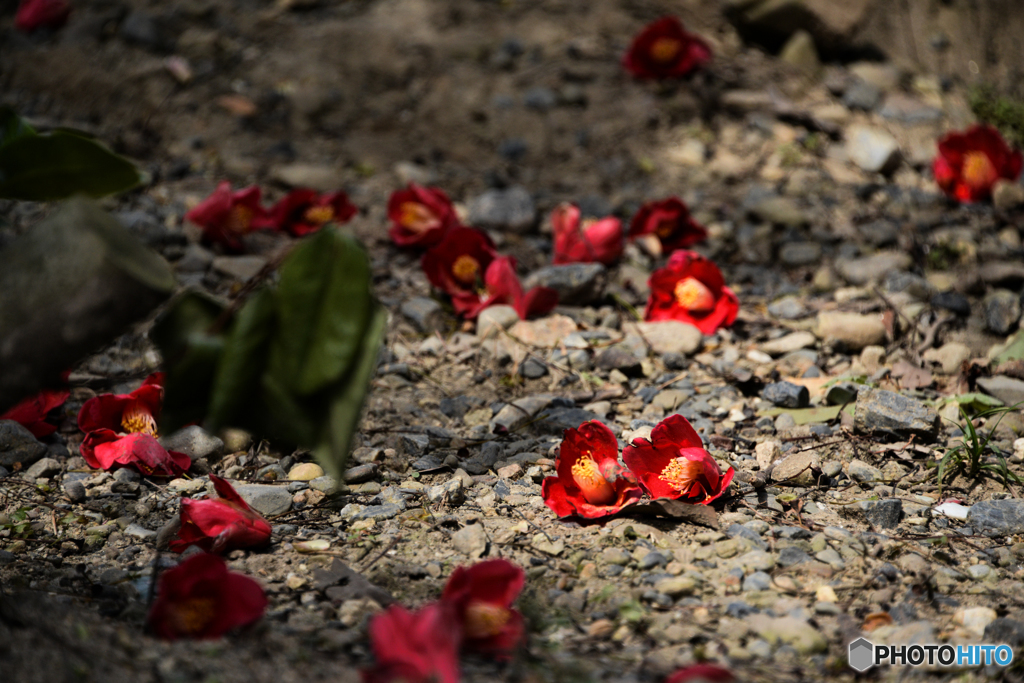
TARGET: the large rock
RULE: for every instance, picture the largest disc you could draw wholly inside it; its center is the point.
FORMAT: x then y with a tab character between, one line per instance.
1002	311
667	336
17	445
267	500
886	412
425	313
850	331
1007	389
193	441
577	284
998	516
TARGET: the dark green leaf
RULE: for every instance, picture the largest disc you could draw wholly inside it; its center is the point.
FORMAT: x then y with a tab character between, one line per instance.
348	402
243	362
12	126
191	356
61	164
285	417
323	304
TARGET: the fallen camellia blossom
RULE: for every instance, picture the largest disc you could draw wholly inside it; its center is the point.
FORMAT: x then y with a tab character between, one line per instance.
663	49
673	464
590	483
691	289
420	216
134	412
483	595
502	286
588	241
301	212
457	265
969	163
226	216
220	524
31	413
415	647
33	14
669	220
200	598
105	449
701	673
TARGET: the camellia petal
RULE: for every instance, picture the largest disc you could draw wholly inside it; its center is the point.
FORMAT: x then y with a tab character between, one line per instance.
33	14
415	647
673	464
691	289
663	49
483	595
457	265
200	598
969	163
137	411
590	482
669	220
420	216
220	524
502	286
304	211
701	673
31	413
589	241
104	449
227	216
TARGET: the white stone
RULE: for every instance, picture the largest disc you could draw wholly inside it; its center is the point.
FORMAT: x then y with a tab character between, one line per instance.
951	510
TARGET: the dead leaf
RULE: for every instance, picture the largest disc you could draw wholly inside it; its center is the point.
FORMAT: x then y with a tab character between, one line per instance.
912	377
700	515
876	620
239	105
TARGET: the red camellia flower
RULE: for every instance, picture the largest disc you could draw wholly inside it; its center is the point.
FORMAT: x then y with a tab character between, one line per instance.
702	673
590	481
970	163
691	289
33	14
503	287
663	49
220	524
586	242
420	216
415	647
226	216
302	212
105	449
670	220
483	595
200	598
134	412
457	265
674	464
31	413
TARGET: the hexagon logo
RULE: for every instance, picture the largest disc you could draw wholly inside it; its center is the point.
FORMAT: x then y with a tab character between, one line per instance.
861	654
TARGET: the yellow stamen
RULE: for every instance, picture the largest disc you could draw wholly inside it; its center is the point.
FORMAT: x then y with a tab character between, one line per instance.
694	296
978	171
137	420
665	228
193	615
465	269
417	217
318	215
594	487
680	473
484	620
239	220
665	49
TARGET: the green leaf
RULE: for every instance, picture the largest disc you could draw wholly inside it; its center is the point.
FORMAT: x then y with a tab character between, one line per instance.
243	361
12	126
61	164
975	402
191	356
323	304
283	416
347	403
1014	350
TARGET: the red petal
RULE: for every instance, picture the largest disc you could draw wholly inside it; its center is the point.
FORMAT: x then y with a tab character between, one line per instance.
31	413
415	646
33	14
104	449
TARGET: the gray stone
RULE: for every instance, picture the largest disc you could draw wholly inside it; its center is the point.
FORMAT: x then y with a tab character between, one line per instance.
267	500
1002	311
493	319
861	95
787	395
1007	389
779	211
619	358
800	52
872	149
792	631
509	209
796	468
906	109
863	473
241	268
379	512
1000	517
470	540
314	176
676	586
140	532
533	368
1004	630
577	284
885	514
886	412
792	555
800	253
518	412
789	343
667	336
789	308
17	445
425	313
850	331
450	492
193	441
47	467
874	268
325	484
1007	194
75	491
361	473
954	302
557	420
653	559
